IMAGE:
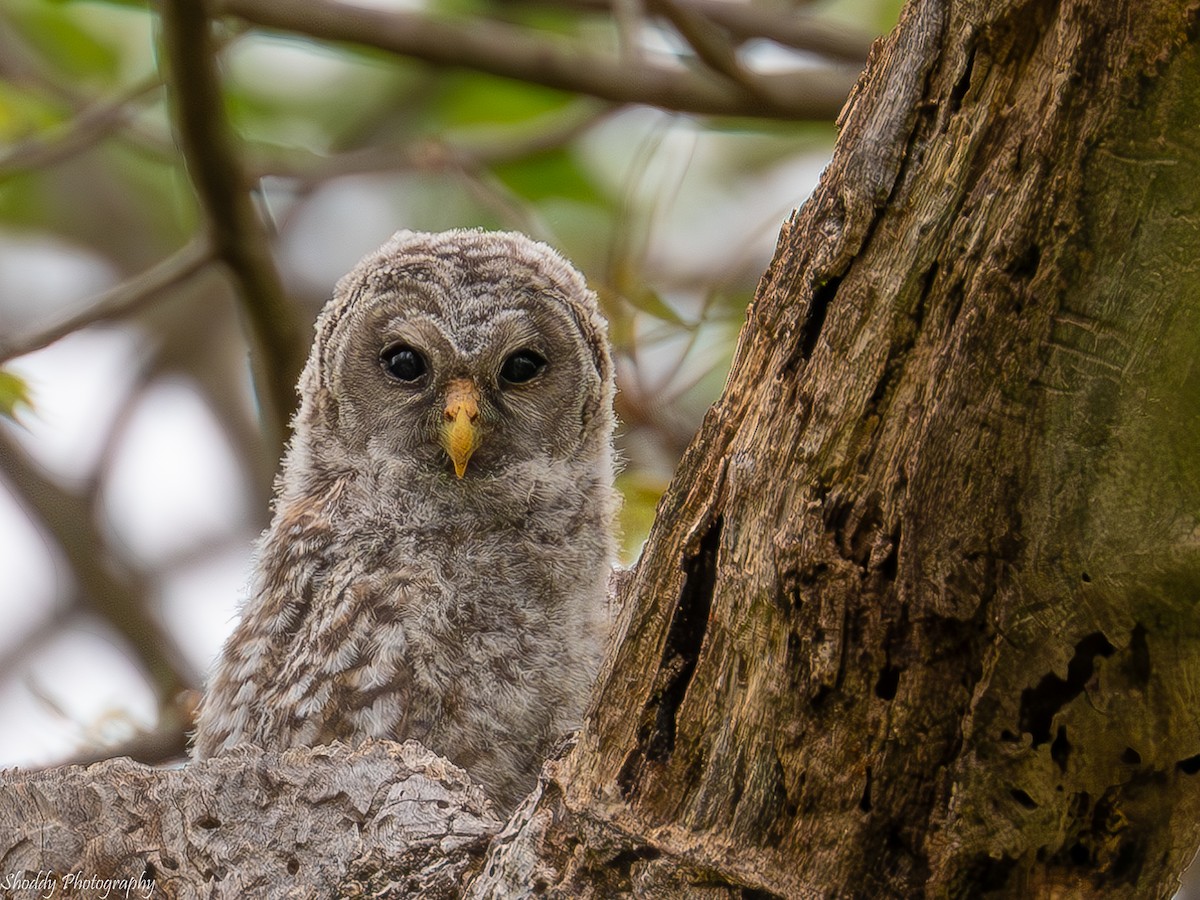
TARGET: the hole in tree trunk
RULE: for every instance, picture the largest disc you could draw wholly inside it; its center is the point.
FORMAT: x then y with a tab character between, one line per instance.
888	683
685	636
1189	766
1039	704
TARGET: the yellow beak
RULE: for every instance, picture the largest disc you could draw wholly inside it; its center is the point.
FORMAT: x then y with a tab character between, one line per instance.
460	434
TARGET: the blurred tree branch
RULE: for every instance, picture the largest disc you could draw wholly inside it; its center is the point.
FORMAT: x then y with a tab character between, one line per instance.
113	590
708	40
746	21
513	52
428	154
90	125
34	640
151	286
237	234
165	743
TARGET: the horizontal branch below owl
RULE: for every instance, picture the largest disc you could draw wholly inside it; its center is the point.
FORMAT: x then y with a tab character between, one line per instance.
327	821
382	820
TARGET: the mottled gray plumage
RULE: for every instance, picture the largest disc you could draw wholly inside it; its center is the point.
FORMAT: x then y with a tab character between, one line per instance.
394	598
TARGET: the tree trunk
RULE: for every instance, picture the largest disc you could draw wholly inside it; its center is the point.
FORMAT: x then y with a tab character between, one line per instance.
916	617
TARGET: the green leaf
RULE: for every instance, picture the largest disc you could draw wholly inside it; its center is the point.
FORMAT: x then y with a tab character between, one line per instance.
23	201
628	282
459	8
14	395
23	113
470	98
60	35
135	4
641	493
552	174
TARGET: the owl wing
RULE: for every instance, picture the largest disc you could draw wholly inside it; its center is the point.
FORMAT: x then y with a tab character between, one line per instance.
328	661
349	676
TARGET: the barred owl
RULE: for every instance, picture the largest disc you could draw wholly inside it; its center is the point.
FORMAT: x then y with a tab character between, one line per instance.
443	525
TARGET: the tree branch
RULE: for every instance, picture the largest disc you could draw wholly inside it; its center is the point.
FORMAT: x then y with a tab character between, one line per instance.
237	234
88	127
126	298
325	821
429	154
165	743
112	591
789	27
708	41
512	52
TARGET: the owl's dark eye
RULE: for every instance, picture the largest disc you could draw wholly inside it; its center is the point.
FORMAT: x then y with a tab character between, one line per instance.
402	362
521	367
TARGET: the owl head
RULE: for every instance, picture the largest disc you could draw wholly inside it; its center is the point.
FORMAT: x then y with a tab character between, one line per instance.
462	353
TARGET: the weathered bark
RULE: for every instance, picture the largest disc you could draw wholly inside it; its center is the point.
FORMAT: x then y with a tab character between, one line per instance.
304	823
917	615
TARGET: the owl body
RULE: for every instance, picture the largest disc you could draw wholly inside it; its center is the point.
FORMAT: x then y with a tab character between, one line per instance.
436	566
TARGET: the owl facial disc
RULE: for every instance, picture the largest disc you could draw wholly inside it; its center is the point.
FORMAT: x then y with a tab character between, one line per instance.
460	434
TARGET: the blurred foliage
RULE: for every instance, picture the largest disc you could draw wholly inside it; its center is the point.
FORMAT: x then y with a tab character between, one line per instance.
672	217
14	395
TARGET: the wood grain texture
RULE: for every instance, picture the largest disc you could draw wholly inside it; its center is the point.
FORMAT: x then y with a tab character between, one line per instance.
303	823
917	615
